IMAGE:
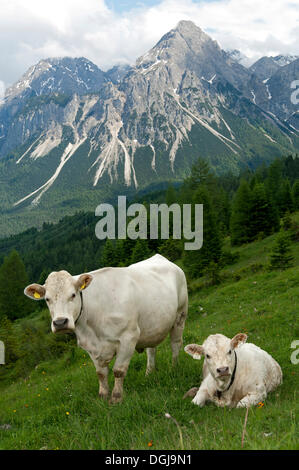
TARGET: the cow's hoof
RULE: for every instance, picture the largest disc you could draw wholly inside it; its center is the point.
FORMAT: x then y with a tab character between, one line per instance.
103	396
115	398
191	393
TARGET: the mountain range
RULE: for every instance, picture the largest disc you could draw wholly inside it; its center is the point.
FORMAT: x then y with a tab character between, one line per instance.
72	136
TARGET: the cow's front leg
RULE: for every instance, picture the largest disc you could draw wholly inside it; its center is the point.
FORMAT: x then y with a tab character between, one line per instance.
102	373
123	357
101	361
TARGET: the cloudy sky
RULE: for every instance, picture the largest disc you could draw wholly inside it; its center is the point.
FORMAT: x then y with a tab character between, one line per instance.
109	32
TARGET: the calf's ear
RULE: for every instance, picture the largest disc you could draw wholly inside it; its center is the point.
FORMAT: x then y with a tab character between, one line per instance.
83	281
194	350
240	338
35	291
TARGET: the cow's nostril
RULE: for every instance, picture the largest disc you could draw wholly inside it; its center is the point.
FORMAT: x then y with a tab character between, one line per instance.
60	322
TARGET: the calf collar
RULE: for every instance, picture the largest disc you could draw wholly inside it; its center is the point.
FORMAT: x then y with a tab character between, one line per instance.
81	310
219	392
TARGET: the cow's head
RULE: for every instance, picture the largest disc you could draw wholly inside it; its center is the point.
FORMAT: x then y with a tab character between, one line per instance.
61	292
218	351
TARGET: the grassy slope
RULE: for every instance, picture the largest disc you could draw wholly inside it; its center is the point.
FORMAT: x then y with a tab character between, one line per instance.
57	406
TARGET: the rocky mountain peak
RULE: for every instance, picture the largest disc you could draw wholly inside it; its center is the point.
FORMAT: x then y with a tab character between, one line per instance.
62	75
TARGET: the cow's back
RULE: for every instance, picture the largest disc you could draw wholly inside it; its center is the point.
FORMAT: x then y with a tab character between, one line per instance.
148	293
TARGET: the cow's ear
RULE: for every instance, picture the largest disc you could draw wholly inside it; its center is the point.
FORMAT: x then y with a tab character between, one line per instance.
240	338
194	350
83	281
35	291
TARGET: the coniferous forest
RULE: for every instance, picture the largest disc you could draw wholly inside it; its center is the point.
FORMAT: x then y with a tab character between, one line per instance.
240	209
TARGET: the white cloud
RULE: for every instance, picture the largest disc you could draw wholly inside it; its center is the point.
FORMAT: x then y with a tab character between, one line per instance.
31	30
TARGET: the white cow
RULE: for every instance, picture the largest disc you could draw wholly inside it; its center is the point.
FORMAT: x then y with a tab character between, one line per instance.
114	311
234	373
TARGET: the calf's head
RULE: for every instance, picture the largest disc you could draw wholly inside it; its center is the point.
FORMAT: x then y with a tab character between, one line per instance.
61	292
218	352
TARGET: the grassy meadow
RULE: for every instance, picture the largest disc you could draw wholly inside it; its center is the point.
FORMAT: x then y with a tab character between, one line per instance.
56	404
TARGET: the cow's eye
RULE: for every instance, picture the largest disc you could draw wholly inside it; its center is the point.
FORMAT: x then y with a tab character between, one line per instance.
208	356
47	299
230	351
73	296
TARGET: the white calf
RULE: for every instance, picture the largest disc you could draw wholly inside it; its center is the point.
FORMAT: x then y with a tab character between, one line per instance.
234	373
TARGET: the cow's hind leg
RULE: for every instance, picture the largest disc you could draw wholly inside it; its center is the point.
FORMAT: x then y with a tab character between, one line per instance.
176	334
151	356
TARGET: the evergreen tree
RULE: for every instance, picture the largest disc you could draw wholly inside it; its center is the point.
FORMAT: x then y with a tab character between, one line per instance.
274	180
212	272
295	194
171	196
108	257
171	249
241	215
263	216
200	174
141	251
10	340
281	257
13	280
286	222
195	261
284	197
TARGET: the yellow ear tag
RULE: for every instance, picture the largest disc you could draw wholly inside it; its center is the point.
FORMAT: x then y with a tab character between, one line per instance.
83	286
36	295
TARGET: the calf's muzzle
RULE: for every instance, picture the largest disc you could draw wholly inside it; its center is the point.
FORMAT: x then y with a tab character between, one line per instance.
222	370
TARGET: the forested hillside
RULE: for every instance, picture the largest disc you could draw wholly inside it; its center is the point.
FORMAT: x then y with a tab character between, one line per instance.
242	207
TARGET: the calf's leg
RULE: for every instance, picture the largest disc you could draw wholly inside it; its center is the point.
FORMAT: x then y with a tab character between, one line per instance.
253	398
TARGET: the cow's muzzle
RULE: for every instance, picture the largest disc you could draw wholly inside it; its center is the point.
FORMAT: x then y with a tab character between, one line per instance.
60	324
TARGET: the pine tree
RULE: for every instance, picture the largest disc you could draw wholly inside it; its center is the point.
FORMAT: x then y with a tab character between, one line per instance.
200	174
170	196
241	215
195	261
10	340
263	216
108	257
284	198
281	257
295	194
13	280
141	251
171	249
274	180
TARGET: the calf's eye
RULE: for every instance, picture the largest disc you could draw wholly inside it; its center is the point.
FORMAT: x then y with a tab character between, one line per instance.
208	356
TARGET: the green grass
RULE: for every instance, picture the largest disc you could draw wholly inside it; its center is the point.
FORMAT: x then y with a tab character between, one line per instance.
57	407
